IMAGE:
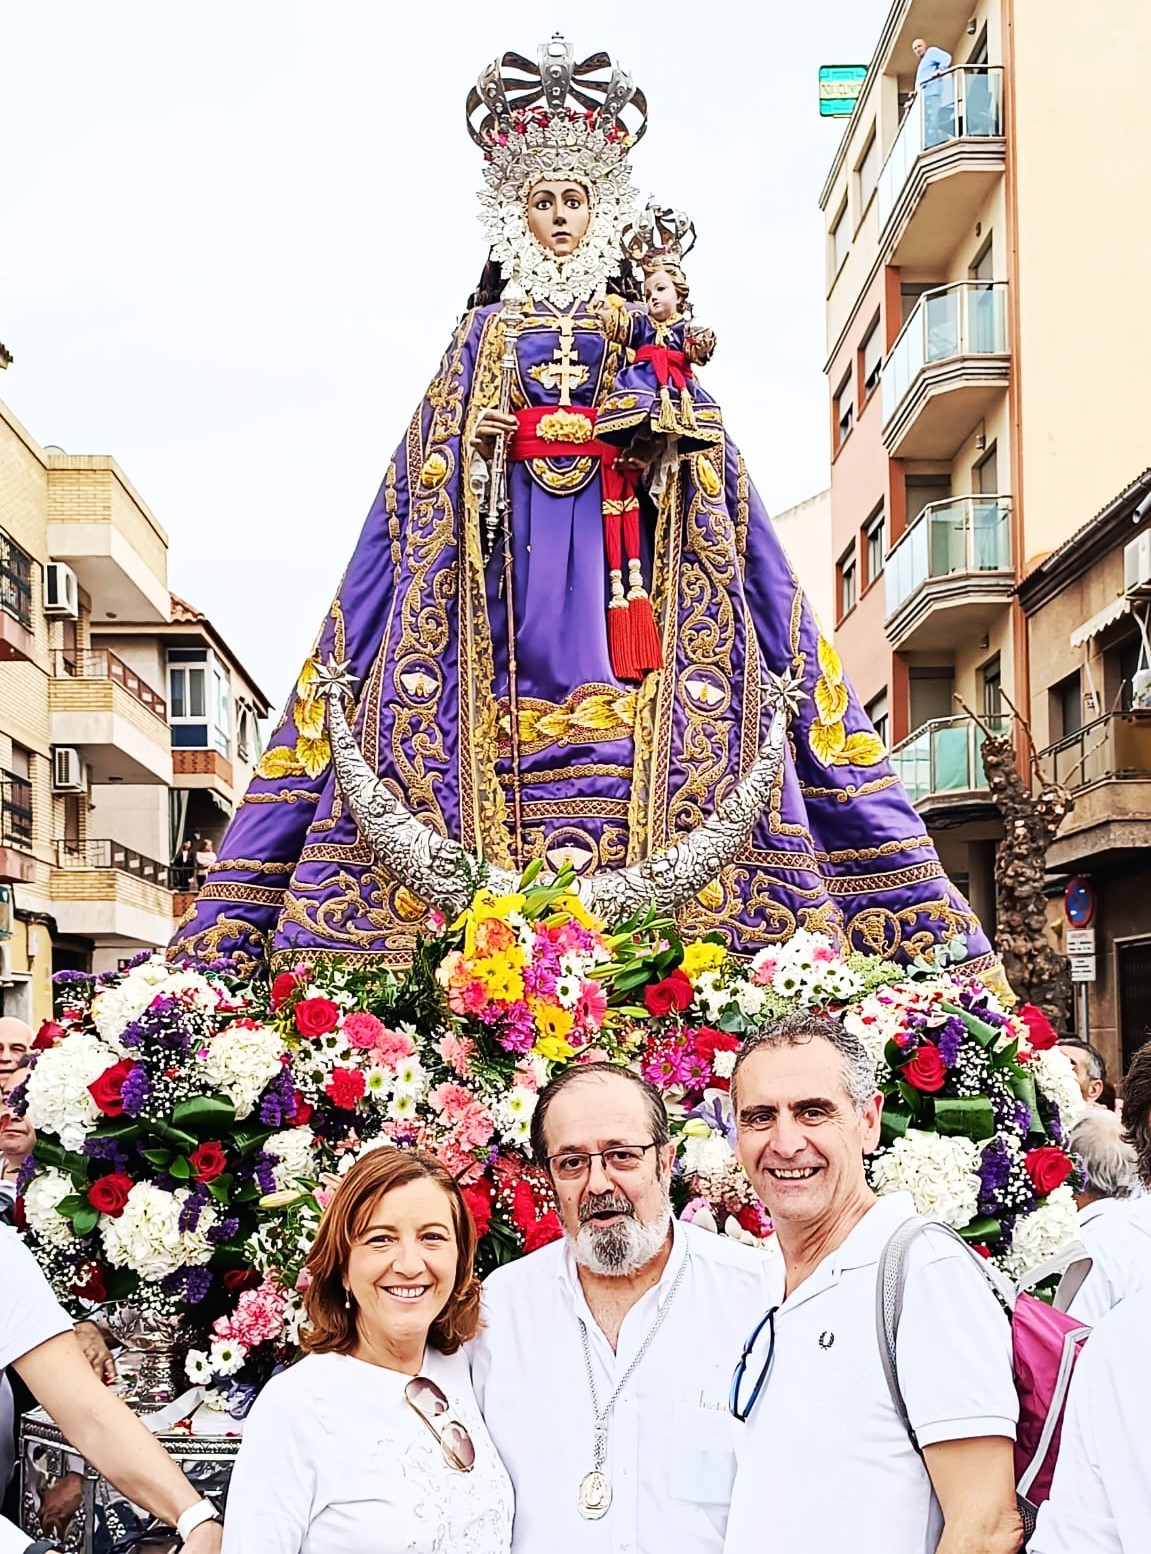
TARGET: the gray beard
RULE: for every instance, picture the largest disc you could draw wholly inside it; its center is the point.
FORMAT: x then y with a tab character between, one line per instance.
617	1251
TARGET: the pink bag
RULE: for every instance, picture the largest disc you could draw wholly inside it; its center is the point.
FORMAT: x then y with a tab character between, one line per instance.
1045	1344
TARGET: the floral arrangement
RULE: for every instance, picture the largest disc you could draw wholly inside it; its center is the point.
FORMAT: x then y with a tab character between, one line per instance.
192	1125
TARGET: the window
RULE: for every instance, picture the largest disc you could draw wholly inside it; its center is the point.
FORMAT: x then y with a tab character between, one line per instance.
987	473
868	172
875	535
844	411
1067	706
931	696
991	676
16	800
199	710
877	712
15	581
847	583
840	239
186	693
871	358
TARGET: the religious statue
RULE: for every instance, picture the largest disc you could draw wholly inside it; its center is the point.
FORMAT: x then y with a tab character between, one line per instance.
583	649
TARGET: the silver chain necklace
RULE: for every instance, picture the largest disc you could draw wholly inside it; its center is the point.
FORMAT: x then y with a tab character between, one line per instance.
595	1487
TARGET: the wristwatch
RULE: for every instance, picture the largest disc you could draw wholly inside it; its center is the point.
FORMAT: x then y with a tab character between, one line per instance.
194	1516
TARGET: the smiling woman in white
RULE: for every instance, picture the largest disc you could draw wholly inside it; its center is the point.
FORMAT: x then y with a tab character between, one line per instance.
373	1443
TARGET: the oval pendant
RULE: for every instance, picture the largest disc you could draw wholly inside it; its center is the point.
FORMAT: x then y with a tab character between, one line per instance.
594	1495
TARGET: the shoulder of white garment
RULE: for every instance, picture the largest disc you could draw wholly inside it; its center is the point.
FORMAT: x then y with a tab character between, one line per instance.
706	1246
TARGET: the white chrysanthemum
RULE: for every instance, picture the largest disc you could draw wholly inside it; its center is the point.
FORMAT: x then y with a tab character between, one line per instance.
296	1159
513	1114
750	999
403	1107
723	1064
226	1356
198	1367
241	1061
568	990
1055	1076
115	1007
147	1237
707	1157
1040	1235
712	998
410	1078
940	1173
43	1193
57	1088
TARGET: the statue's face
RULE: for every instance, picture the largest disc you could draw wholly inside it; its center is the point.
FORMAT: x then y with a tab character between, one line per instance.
660	295
558	216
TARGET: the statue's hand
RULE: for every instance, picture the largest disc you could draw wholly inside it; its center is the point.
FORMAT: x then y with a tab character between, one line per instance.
640	453
492	424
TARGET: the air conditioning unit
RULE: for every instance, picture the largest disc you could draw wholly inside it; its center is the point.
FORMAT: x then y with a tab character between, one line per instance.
67	770
1137	561
61	590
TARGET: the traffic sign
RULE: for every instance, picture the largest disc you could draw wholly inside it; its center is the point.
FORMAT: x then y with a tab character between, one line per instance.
1079	941
839	87
1079	902
1082	968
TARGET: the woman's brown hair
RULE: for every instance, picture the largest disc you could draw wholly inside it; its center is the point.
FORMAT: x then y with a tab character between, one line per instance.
331	1326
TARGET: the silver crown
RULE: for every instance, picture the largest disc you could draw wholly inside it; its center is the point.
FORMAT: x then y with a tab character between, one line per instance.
555	83
658	234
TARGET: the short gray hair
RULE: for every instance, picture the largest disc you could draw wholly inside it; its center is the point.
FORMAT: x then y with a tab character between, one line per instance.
1096	1068
1109	1162
796	1030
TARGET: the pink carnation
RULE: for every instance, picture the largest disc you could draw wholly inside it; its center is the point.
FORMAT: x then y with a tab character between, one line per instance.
456	1052
393	1047
823	954
763	973
258	1317
363	1030
468	999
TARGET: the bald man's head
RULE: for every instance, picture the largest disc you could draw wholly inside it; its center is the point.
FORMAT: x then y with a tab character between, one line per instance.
15	1043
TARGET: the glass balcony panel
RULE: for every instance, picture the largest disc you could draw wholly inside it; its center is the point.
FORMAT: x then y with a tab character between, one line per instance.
966	534
944	756
966	102
967	318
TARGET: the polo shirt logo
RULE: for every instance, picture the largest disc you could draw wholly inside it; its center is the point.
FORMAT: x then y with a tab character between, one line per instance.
826	1339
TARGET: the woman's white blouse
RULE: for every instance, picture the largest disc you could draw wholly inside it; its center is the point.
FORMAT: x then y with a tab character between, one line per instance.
334	1461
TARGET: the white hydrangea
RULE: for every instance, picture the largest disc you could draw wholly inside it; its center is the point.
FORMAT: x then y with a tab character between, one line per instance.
57	1088
147	1237
723	1064
1055	1076
295	1156
240	1061
43	1193
707	1157
115	1007
941	1173
1040	1235
750	999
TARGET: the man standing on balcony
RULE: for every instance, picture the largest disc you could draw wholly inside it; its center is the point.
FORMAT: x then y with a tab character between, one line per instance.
937	92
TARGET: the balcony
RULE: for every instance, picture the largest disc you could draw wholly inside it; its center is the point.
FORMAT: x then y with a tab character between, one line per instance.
16	816
1107	766
17	638
104	891
100	526
950	574
946	370
100	705
203	769
946	159
941	768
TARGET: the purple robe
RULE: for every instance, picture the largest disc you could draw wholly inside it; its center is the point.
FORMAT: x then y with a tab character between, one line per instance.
609	770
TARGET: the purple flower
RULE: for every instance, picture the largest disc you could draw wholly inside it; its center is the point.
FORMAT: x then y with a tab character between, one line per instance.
72	978
136	1091
192	1210
278	1104
25	1174
949	1039
994	1169
264	1170
106	1149
189	1284
224	1231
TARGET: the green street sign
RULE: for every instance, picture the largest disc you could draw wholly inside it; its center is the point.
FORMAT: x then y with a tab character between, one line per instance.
5	911
839	89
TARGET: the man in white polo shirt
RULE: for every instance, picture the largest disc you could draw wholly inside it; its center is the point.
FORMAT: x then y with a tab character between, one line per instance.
824	1462
603	1365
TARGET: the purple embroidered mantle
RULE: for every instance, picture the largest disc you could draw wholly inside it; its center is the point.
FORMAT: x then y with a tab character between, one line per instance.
610	770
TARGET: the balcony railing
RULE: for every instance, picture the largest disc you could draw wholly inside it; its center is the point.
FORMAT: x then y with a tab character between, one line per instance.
940	758
964	103
101	664
968	318
1116	745
100	853
964	534
15	581
15	811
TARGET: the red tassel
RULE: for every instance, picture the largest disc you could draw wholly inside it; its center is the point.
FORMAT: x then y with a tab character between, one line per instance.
645	636
620	644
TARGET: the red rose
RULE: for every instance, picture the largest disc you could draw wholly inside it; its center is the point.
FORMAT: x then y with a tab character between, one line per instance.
316	1016
303	1112
543	1232
926	1069
1048	1168
47	1036
283	987
107	1090
93	1288
674	992
478	1198
207	1161
749	1220
109	1194
241	1279
346	1085
1040	1032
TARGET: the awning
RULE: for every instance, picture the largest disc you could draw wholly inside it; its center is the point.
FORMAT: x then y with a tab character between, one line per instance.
220	802
1103	618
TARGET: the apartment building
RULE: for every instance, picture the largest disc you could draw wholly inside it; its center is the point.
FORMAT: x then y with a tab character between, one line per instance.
985	243
1088	612
102	674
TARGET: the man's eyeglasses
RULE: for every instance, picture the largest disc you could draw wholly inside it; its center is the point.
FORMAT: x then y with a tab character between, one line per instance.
619	1160
739	1410
431	1404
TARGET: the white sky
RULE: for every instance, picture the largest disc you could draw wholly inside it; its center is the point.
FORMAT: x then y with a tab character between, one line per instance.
235	237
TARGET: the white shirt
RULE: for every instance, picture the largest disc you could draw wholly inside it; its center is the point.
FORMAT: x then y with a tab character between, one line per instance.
669	1446
334	1461
29	1315
1101	1495
1117	1233
825	1463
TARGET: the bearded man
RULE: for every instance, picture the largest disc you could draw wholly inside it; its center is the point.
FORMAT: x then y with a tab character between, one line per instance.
605	1359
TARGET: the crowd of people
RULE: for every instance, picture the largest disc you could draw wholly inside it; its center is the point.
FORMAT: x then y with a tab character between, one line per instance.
642	1384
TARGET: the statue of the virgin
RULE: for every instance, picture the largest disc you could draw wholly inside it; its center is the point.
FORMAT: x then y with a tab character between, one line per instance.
564	648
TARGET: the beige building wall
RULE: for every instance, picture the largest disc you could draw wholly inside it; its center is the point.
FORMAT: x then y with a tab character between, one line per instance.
805	534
